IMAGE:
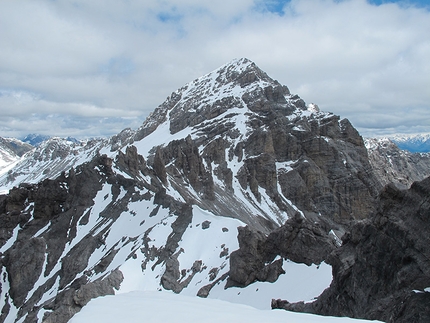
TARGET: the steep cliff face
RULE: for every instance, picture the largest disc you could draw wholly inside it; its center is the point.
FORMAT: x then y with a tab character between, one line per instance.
393	165
160	207
382	269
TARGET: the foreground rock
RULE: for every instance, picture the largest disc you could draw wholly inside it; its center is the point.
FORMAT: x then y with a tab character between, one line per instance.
382	270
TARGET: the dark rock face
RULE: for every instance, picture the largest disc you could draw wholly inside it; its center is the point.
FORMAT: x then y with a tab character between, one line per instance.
184	156
382	268
24	268
131	162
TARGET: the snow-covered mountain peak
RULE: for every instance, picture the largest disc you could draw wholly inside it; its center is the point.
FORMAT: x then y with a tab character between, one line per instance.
239	72
238	84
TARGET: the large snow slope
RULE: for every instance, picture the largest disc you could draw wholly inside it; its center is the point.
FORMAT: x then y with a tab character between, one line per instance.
161	307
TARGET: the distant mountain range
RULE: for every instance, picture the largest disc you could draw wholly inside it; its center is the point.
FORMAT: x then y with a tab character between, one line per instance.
416	143
35	139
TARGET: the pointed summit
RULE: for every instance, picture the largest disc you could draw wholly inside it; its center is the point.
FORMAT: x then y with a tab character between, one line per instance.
240	71
237	84
236	75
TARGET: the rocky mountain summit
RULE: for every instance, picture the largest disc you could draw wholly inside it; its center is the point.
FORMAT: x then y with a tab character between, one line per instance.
226	184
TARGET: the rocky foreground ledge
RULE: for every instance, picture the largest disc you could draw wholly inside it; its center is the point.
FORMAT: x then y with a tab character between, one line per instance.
382	269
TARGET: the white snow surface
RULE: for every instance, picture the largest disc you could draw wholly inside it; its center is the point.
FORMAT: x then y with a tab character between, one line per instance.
299	283
161	307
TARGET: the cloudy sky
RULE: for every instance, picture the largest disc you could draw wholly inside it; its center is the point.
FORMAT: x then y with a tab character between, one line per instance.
92	68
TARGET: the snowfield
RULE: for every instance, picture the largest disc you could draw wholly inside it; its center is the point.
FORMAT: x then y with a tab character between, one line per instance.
161	307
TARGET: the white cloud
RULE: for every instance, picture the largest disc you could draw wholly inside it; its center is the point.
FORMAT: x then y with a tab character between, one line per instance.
114	59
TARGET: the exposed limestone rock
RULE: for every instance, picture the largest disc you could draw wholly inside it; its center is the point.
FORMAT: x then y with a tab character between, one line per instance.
249	259
159	167
184	157
131	162
122	139
206	224
98	288
175	280
24	268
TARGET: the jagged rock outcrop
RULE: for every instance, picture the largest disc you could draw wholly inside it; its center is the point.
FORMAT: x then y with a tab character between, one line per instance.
393	165
61	206
382	269
299	239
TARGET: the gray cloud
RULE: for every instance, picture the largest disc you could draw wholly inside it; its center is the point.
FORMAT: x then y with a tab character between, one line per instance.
89	68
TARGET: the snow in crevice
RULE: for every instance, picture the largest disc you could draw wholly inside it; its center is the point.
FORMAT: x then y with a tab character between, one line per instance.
336	239
11	240
285	166
287	201
271	209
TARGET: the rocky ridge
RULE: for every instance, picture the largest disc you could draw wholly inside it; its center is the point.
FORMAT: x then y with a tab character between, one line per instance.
49	159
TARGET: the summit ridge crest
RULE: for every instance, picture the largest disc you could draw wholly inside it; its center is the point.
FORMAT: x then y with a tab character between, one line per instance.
237	84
